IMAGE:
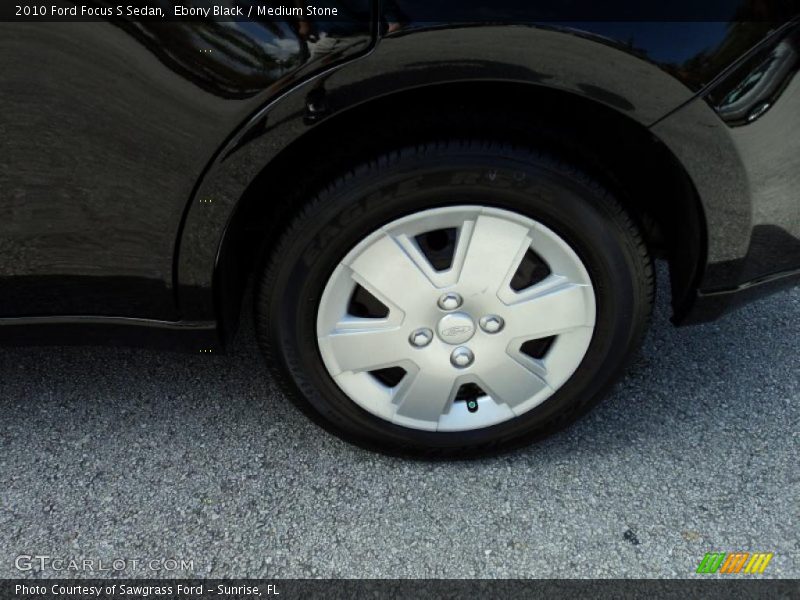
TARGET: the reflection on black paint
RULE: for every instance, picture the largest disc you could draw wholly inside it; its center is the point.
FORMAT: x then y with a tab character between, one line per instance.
107	127
239	59
694	41
757	85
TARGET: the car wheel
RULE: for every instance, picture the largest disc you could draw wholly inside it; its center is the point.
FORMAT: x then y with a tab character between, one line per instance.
454	298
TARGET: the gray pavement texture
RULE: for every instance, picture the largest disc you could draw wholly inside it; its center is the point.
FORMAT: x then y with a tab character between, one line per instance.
114	453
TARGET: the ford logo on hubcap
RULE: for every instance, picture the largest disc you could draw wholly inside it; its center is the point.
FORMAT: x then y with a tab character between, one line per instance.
456	328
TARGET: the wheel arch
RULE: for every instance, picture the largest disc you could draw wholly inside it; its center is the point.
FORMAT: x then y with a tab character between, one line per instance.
285	152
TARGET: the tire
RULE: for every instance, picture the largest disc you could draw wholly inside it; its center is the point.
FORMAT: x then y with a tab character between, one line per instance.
544	346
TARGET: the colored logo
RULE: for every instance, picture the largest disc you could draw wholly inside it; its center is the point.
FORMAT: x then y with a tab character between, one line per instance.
734	562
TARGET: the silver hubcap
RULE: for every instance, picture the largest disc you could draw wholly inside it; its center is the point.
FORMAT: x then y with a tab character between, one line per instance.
457	340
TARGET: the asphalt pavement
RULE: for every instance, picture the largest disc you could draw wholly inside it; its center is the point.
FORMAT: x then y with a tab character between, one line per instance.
115	454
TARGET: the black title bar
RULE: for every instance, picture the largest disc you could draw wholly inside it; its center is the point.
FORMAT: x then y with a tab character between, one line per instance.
460	11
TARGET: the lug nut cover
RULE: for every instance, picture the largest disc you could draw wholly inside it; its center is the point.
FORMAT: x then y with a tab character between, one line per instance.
462	357
450	301
421	337
492	323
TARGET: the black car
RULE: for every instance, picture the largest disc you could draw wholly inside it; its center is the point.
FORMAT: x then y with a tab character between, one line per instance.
448	212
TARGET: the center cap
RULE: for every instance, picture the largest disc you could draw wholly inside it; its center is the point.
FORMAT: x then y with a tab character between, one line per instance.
456	328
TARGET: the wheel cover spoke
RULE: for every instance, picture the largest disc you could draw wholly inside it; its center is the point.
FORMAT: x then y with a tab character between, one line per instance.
494	250
511	383
387	271
424	397
551	307
371	347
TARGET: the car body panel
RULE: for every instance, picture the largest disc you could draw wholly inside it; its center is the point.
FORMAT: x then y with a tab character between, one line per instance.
746	168
125	164
107	127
